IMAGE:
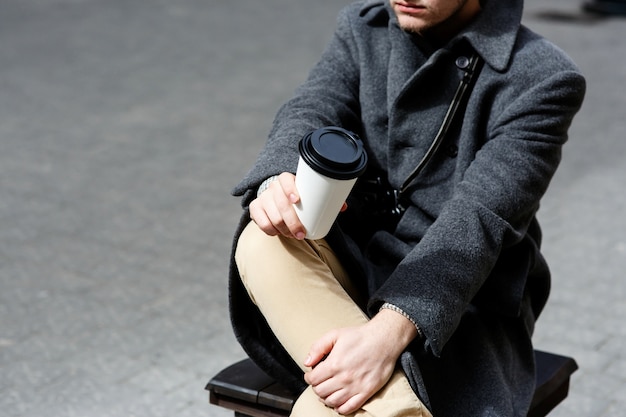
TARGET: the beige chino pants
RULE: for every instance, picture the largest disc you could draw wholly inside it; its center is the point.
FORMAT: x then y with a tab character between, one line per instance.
304	292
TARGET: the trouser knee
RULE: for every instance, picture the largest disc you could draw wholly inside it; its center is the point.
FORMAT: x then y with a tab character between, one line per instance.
264	260
278	263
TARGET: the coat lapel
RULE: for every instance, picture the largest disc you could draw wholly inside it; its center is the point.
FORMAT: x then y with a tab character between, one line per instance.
405	60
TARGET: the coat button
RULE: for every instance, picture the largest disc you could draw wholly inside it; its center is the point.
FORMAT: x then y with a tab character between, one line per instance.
452	151
462	62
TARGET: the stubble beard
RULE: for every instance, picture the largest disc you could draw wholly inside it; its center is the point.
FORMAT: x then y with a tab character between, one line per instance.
424	27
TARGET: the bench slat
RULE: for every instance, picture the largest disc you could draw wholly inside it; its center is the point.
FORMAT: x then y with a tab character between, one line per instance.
277	396
241	381
552	381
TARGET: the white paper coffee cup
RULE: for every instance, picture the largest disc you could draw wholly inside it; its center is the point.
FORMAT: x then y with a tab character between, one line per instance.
331	160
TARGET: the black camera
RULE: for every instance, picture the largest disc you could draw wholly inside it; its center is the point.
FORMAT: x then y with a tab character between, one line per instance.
375	205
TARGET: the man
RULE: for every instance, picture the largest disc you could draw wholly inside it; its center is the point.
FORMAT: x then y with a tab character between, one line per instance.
432	311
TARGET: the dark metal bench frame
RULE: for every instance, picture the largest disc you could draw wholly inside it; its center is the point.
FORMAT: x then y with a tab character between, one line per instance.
250	392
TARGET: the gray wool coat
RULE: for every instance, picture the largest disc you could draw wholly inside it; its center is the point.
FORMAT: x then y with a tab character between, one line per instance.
464	261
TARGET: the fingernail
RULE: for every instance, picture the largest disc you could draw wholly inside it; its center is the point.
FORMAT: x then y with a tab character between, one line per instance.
293	198
300	235
307	361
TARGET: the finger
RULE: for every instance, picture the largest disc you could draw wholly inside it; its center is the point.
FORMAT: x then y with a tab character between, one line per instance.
352	404
320	349
259	216
336	399
266	210
288	183
326	389
285	199
282	214
339	397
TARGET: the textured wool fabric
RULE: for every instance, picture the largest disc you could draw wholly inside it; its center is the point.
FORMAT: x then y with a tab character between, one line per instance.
464	261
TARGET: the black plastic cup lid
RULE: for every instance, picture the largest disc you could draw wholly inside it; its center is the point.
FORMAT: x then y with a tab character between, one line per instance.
334	152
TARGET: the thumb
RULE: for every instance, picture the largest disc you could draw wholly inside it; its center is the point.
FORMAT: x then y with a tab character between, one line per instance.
320	349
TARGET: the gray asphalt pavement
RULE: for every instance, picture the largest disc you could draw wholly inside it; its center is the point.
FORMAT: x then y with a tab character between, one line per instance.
123	126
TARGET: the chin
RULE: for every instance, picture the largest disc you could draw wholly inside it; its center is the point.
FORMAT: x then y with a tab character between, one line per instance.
410	24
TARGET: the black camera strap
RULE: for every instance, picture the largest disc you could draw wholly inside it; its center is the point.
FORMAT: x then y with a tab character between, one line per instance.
375	205
471	69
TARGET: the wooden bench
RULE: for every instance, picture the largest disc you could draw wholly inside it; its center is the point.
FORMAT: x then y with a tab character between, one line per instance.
249	392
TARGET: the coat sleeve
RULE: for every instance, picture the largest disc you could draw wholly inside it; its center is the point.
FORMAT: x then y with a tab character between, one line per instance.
490	211
329	97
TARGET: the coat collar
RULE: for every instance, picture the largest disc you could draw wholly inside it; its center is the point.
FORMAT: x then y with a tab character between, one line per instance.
492	34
